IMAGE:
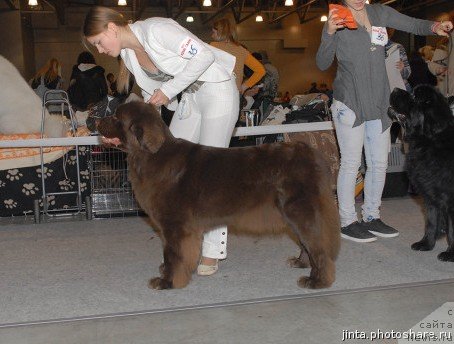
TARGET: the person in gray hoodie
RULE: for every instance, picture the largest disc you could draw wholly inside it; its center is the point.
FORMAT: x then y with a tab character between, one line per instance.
361	100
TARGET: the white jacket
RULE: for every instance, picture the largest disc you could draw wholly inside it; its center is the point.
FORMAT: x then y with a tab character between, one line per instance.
176	52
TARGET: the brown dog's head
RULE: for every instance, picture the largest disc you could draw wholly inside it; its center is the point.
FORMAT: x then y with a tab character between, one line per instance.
137	125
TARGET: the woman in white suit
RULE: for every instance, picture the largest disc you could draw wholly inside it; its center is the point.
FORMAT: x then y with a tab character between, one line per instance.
167	59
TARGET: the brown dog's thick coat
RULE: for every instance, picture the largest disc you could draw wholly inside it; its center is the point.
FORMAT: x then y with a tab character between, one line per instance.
187	189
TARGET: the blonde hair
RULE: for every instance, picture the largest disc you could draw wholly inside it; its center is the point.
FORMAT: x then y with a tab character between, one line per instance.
225	31
96	22
427	52
50	71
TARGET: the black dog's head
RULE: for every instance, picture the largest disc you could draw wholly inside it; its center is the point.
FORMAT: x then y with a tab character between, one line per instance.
426	113
137	125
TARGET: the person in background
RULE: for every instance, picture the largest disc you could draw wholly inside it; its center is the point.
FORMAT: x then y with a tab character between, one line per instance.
270	81
403	66
88	83
313	88
324	89
438	65
224	36
286	98
420	73
360	106
166	59
50	74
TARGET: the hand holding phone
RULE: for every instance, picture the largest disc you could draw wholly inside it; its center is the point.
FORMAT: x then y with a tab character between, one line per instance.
344	13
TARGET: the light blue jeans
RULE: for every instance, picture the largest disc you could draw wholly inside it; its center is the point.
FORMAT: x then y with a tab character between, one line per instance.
376	147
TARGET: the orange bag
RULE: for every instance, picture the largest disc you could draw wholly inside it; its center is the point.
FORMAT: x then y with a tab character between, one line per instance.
345	14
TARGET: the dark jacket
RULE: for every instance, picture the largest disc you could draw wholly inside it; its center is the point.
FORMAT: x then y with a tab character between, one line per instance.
88	86
420	73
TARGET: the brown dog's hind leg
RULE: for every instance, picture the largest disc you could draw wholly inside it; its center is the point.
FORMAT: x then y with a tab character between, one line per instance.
304	218
322	273
180	260
300	262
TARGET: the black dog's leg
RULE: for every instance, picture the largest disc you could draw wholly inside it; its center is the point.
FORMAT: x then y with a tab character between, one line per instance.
448	255
427	243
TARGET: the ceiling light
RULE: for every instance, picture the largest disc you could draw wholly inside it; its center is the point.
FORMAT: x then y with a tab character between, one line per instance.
288	3
122	3
206	3
189	19
323	18
33	2
259	18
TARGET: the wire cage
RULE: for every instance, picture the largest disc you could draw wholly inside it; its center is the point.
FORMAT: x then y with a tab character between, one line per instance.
396	158
112	193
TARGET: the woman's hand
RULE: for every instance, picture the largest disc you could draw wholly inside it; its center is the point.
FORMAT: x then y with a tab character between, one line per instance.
159	98
115	141
243	88
400	65
252	91
443	28
334	22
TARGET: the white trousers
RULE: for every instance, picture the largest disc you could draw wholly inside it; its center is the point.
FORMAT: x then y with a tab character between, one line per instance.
211	123
351	140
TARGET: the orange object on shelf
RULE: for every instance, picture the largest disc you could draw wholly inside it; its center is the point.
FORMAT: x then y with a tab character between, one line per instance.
345	14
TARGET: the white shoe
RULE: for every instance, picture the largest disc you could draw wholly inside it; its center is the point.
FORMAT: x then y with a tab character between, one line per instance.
207	270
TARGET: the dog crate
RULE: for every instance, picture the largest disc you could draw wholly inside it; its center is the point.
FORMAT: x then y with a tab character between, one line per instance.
396	184
112	193
396	158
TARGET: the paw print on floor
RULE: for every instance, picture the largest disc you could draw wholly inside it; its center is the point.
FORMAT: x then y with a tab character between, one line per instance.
10	203
82	150
83	187
66	184
47	172
2	184
85	174
50	201
72	160
29	189
14	174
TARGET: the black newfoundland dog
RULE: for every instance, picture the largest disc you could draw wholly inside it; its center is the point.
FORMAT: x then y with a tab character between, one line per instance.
429	130
187	189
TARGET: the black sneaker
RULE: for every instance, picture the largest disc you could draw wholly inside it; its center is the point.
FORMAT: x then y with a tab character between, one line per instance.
379	228
357	232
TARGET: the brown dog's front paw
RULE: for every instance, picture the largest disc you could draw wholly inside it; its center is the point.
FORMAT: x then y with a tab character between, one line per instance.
159	283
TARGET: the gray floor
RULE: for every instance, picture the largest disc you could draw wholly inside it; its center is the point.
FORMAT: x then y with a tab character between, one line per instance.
303	318
319	319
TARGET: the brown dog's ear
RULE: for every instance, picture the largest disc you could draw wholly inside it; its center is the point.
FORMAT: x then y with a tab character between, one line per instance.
148	139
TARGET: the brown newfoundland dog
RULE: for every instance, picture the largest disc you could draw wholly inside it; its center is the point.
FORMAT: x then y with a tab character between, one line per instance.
187	189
